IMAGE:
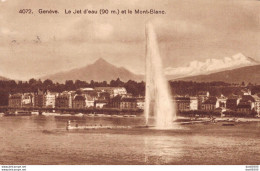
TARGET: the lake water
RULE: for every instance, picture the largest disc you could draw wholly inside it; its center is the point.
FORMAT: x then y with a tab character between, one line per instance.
44	140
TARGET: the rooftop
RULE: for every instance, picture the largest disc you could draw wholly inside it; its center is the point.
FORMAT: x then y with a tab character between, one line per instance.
212	100
78	97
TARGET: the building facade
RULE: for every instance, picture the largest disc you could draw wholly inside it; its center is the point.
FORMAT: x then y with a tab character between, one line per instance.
27	100
257	104
50	100
202	97
128	103
15	100
232	103
182	103
209	105
244	108
140	103
62	101
79	102
39	99
194	103
100	103
113	91
89	101
221	102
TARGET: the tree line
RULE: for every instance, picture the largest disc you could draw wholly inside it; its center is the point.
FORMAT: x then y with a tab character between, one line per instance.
216	88
33	85
182	88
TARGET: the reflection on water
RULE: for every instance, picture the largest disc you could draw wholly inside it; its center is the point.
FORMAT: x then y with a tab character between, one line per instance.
44	140
162	150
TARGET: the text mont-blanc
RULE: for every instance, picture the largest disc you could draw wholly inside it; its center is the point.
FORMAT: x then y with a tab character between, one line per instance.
150	11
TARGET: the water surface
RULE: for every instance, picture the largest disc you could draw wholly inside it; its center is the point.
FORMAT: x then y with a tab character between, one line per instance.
44	140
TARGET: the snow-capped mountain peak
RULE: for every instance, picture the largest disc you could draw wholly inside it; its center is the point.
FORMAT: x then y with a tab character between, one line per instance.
211	65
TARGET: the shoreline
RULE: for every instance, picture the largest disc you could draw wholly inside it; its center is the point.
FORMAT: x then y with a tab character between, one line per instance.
178	118
220	119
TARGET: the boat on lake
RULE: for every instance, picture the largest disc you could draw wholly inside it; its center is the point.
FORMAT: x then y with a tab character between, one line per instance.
18	113
70	116
228	124
89	127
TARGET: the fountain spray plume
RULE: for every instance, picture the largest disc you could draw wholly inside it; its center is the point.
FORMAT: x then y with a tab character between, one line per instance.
158	102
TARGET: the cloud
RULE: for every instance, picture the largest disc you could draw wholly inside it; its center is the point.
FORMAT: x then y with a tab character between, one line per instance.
102	30
179	26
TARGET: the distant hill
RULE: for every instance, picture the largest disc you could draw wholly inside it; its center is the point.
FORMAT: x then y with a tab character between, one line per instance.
246	74
3	78
100	70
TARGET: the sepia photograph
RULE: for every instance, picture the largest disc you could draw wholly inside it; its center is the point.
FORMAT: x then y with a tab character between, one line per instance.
140	82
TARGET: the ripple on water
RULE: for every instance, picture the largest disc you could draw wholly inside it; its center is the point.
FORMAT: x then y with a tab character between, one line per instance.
35	140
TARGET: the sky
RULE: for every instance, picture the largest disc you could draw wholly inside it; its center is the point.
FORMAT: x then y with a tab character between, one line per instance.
34	45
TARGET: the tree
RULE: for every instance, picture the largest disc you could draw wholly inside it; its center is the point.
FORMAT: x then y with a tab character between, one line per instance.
47	83
69	85
116	83
32	81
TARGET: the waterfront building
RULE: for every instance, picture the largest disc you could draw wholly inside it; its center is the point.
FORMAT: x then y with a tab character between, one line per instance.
182	103
140	102
221	110
248	100
50	99
129	95
27	100
210	104
113	91
203	94
221	102
89	91
194	103
115	102
246	91
246	104
79	102
39	99
15	100
62	101
128	103
70	95
89	101
121	91
86	89
257	104
123	103
202	97
100	103
244	108
232	103
103	96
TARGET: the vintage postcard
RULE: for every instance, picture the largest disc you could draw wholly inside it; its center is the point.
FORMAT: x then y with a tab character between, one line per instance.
140	82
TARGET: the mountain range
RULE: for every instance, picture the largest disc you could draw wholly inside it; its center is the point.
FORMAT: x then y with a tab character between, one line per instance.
210	66
100	70
244	74
234	69
237	68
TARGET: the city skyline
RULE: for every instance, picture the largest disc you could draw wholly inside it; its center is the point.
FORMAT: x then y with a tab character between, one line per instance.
38	45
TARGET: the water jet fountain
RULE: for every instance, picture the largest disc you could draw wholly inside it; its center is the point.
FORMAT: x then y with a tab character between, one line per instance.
158	102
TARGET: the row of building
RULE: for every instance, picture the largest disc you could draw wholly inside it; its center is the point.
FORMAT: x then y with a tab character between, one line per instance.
245	103
117	97
113	97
